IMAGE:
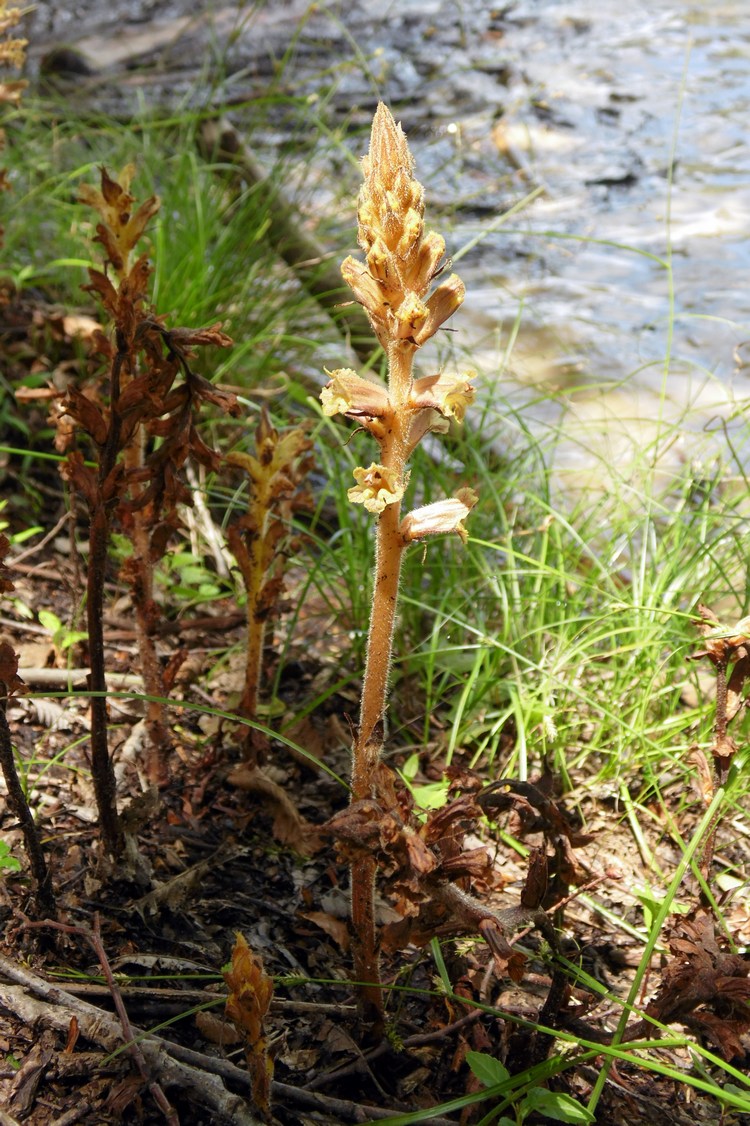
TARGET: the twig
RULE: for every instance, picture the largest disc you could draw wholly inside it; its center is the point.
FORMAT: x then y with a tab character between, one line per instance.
200	517
42	543
123	632
75	1114
94	937
44	897
345	1109
196	1074
54	1007
69	678
416	1041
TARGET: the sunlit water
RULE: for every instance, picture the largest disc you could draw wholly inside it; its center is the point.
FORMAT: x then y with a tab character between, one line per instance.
623	287
639	137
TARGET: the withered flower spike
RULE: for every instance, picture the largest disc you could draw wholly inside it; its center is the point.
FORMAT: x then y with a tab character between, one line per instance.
136	481
249	998
261	538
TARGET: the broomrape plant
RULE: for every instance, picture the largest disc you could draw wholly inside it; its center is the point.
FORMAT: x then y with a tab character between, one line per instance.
260	539
141	422
402	260
12	54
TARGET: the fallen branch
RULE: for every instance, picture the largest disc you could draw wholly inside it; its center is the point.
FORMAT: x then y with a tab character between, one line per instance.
32	999
70	678
198	1075
94	937
345	1109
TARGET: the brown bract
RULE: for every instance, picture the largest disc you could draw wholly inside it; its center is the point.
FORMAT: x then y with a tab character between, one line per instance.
250	993
704	987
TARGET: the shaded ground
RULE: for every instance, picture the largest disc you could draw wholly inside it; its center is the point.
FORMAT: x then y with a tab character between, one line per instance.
216	864
216	870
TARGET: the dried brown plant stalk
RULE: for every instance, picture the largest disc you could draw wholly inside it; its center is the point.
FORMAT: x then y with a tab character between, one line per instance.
250	994
141	423
10	685
260	539
402	260
12	54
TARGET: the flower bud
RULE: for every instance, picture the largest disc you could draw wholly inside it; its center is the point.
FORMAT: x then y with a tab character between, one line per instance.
443	516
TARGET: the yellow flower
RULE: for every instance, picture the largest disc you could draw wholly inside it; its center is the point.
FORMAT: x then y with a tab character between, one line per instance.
348	393
448	394
440	305
376	487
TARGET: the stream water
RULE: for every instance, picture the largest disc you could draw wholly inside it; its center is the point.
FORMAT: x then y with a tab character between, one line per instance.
628	120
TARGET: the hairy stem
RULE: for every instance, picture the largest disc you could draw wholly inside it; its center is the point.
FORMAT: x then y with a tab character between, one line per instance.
141	576
388	556
368	747
253	574
102	771
364	947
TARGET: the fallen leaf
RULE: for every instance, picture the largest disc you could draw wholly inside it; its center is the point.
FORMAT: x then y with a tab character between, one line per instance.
336	929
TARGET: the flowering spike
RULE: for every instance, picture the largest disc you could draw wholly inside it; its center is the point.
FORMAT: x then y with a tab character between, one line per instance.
393	284
402	258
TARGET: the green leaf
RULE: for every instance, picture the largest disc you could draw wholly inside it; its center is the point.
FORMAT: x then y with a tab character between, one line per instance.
557	1106
72	638
8	862
410	767
487	1069
433	795
50	621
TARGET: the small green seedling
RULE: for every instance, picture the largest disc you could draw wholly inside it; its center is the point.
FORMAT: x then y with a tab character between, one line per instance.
651	905
8	863
62	636
554	1105
428	795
